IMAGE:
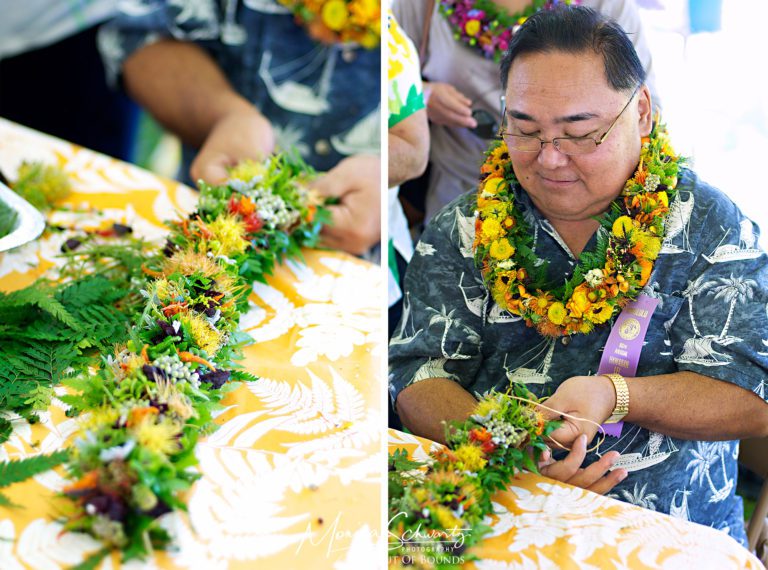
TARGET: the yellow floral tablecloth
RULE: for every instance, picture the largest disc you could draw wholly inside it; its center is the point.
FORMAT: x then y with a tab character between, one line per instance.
541	524
292	479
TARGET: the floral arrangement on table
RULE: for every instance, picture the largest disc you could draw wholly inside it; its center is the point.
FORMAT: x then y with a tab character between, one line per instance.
339	21
605	280
487	27
147	392
437	508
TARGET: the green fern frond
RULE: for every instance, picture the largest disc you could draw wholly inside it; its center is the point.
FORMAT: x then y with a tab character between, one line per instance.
19	470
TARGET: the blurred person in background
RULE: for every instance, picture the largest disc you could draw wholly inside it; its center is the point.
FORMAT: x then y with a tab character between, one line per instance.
52	78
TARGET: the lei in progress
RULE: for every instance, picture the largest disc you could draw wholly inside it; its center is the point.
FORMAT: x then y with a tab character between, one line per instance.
605	280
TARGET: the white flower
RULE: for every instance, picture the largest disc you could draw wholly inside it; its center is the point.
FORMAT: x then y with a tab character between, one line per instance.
505	265
117	452
594	277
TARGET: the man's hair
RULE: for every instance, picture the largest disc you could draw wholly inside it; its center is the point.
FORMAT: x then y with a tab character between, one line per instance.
576	29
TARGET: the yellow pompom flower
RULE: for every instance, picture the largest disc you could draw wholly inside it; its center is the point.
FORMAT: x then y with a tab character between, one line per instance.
446	518
599	312
472	27
227	236
157	436
247	170
580	300
487	408
206	337
494	209
622	225
471	456
491	230
335	14
556	313
502	249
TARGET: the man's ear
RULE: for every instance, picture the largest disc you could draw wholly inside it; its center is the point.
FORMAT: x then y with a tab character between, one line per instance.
645	111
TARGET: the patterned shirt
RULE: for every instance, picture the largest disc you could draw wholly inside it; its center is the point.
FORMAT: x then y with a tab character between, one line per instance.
322	100
711	280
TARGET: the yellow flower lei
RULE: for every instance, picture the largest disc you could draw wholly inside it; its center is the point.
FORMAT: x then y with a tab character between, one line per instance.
339	21
606	279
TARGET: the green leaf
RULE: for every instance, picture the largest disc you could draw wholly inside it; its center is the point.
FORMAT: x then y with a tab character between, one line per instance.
19	470
93	561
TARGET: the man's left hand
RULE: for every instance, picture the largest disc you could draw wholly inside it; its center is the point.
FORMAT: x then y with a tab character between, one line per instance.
585	397
356	219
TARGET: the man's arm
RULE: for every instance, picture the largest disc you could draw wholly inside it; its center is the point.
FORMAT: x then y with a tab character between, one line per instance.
424	407
184	89
684	405
408	148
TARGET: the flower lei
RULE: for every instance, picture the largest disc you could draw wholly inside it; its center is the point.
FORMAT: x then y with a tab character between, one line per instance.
339	21
155	395
437	508
483	25
629	240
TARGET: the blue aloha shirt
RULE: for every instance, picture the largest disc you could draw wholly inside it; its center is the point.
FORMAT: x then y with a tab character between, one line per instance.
322	100
711	280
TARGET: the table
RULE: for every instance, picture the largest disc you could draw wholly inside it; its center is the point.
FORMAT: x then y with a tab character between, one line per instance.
293	477
542	524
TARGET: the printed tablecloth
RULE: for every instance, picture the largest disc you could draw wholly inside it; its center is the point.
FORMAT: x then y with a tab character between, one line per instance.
541	524
292	477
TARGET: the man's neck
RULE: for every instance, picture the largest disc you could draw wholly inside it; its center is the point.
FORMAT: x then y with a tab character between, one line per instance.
576	234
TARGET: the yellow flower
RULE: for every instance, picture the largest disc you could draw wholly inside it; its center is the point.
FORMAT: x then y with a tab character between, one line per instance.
487	408
494	185
556	313
157	436
471	456
247	170
228	234
599	312
491	230
446	518
335	14
206	337
580	300
494	209
366	9
622	225
664	198
99	417
502	249
162	289
370	40
648	245
472	27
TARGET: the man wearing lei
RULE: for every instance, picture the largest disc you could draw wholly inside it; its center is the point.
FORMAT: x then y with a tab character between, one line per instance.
583	209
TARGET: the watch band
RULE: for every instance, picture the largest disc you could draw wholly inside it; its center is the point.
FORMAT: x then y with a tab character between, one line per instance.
622	398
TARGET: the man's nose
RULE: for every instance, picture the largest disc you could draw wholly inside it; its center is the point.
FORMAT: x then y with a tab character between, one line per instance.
550	157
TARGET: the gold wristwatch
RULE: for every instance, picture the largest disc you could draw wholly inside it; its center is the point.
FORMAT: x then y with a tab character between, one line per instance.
622	398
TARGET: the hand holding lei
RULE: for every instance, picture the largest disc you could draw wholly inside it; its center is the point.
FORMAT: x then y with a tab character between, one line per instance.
605	280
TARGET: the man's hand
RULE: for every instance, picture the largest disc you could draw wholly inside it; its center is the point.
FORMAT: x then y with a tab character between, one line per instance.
447	106
585	397
596	478
240	135
356	219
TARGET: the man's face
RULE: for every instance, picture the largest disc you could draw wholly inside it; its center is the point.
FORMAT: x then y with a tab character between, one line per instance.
559	94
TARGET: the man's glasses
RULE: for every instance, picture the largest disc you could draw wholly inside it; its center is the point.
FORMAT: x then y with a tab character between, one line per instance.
566	145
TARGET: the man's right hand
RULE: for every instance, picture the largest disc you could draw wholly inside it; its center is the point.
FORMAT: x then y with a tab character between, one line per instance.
447	106
596	477
240	135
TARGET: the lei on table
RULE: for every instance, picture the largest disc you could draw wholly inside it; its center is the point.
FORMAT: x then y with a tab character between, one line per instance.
437	508
339	21
148	392
483	25
605	280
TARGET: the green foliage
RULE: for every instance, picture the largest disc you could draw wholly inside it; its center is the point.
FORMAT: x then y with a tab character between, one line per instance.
8	219
19	470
